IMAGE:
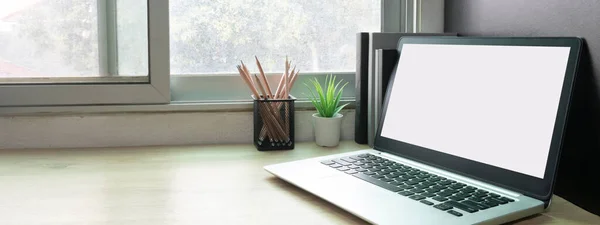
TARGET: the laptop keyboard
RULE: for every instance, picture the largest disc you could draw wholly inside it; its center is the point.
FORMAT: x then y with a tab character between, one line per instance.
441	193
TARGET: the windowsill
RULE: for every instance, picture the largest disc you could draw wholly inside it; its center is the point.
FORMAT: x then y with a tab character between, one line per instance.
233	106
151	125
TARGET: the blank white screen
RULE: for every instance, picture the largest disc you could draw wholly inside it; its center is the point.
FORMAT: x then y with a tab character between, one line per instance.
492	104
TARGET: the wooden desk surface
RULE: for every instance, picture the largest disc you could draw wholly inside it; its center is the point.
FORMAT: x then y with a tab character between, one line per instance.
177	185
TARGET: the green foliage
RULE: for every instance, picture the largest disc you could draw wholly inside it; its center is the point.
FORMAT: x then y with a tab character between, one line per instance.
327	98
206	36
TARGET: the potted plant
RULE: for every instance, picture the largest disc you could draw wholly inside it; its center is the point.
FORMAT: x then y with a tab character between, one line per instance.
327	122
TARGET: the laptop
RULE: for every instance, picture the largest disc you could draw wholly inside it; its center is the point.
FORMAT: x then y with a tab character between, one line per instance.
470	133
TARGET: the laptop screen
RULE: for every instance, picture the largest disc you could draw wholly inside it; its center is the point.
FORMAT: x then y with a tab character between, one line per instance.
491	104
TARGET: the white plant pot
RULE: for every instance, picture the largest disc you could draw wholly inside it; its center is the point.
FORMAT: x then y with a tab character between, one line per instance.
327	130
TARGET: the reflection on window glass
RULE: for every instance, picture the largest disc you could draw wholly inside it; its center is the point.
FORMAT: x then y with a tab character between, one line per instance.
211	36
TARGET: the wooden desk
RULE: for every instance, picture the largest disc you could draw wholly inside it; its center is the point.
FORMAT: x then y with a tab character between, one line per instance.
177	185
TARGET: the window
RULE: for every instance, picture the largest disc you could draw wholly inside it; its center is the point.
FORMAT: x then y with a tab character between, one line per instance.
211	37
208	38
75	52
109	52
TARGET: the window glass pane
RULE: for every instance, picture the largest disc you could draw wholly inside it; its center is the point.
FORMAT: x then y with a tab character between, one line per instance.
68	40
132	30
211	36
48	38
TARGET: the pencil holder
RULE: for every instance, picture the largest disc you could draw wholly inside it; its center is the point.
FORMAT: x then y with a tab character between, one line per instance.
274	124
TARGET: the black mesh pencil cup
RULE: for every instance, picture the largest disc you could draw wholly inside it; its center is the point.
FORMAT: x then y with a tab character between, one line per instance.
274	124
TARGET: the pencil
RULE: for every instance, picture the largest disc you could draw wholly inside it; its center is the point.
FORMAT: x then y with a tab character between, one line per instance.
248	82
264	77
262	90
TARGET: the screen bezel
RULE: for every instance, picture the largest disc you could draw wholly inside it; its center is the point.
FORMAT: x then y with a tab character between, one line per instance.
531	186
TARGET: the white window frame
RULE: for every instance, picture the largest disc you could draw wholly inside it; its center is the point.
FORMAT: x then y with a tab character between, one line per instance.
164	92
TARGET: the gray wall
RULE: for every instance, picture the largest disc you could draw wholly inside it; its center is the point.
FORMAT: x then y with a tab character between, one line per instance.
579	172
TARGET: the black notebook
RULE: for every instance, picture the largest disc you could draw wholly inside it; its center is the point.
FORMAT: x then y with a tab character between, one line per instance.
366	44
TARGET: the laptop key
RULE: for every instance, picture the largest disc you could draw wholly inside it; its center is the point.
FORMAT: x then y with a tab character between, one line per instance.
384	172
476	199
423	176
433	190
396	166
373	169
454	213
479	194
350	171
507	199
445	182
356	158
404	186
442	206
343	168
488	204
426	183
417	190
456	198
401	179
475	205
428	194
436	187
417	197
335	165
462	195
361	170
494	195
493	200
393	173
470	188
426	202
420	186
369	173
353	167
408	177
349	160
417	180
377	176
444	194
414	173
387	180
461	206
341	162
412	182
440	199
406	193
396	183
467	190
434	179
328	162
377	182
456	187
